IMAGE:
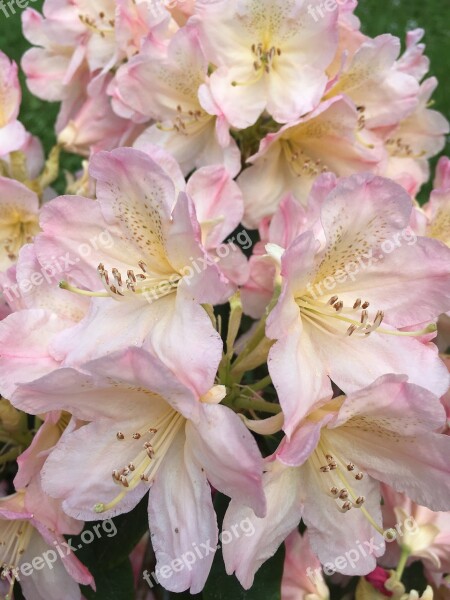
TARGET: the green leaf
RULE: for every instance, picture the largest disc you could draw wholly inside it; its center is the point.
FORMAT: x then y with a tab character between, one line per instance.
267	584
112	584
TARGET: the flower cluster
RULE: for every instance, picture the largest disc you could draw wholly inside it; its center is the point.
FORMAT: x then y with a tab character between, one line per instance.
238	295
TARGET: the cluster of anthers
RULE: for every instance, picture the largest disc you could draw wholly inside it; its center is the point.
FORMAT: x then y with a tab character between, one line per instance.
102	26
184	121
320	314
264	58
263	63
398	147
155	443
13	544
301	163
138	283
344	494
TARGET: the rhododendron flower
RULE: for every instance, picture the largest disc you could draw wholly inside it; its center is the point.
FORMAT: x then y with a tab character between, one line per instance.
413	61
12	132
302	574
328	139
89	123
328	472
383	94
148	428
71	37
291	220
19	221
162	83
32	526
150	282
40	311
428	541
270	55
349	309
417	138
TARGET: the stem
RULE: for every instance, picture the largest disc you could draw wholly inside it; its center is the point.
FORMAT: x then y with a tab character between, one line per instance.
259	405
260	385
402	562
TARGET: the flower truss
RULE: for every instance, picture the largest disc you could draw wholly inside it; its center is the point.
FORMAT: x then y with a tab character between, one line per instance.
225	338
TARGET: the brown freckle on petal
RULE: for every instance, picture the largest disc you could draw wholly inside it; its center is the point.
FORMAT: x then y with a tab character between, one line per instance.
120	435
177	530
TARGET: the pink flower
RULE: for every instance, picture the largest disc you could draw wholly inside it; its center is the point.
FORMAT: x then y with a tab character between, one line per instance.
291	220
413	61
42	311
148	429
302	575
12	132
163	83
88	124
148	283
19	208
417	138
328	139
428	538
32	526
383	94
350	306
328	473
270	56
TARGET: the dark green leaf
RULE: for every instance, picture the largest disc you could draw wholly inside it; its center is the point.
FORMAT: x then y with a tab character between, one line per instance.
112	584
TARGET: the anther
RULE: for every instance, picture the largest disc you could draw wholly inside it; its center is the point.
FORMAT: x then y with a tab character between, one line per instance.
357	304
366	305
339	306
333	300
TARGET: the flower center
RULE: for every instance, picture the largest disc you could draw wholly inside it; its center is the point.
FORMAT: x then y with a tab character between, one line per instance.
100	24
21	231
14	540
333	317
152	443
264	57
300	162
263	62
335	474
186	122
152	287
396	146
